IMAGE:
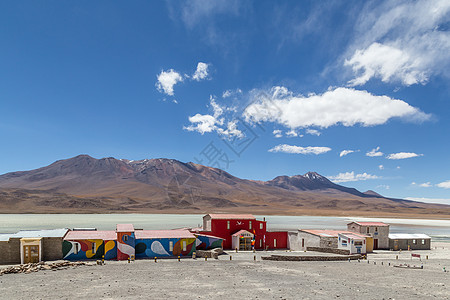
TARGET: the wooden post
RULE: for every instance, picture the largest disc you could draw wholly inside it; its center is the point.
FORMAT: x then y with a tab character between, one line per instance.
178	258
231	258
155	259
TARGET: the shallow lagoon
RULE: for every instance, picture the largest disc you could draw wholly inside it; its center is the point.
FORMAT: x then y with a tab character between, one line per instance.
10	223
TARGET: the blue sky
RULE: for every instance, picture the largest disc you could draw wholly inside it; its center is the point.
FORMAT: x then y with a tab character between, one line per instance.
258	88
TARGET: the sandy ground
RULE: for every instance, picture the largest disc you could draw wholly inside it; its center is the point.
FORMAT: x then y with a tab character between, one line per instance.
243	278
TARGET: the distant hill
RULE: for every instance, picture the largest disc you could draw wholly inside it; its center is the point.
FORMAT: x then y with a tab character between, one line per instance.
83	184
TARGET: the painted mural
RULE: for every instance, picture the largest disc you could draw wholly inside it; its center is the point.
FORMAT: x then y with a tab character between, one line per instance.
207	242
125	245
89	249
164	247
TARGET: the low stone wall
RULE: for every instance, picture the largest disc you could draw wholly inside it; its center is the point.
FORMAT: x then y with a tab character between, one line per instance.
214	253
310	258
329	250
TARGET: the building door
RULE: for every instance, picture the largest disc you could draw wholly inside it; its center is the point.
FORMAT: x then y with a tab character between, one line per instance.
31	254
395	245
375	244
245	243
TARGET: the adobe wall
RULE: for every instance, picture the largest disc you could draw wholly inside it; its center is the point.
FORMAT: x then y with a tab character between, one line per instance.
10	252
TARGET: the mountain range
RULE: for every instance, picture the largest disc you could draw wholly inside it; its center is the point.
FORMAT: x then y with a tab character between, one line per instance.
83	184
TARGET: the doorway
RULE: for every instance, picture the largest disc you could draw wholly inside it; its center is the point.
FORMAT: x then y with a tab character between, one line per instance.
375	244
30	254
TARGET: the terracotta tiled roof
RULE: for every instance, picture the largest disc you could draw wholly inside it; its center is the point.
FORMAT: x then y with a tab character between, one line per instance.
106	235
241	232
232	216
125	228
158	234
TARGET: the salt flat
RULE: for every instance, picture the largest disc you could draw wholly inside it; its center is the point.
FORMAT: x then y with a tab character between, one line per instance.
243	278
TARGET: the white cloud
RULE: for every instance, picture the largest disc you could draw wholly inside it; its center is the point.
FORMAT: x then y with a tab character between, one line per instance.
401	42
337	106
430	200
201	72
277	133
425	184
374	152
229	93
402	155
381	167
210	123
351	176
299	150
383	186
386	62
345	152
313	132
167	80
445	184
291	133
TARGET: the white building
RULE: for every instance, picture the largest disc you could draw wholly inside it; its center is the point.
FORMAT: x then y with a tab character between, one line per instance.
353	242
379	231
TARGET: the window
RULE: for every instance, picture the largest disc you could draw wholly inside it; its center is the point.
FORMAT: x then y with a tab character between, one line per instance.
423	242
261	225
260	243
170	246
358	243
303	243
125	238
274	243
414	242
184	245
93	247
228	224
376	229
367	229
249	224
76	248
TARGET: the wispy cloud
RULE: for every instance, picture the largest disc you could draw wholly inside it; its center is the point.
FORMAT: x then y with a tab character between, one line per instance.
214	122
337	106
374	152
401	42
351	176
346	152
381	167
313	132
430	200
403	155
299	150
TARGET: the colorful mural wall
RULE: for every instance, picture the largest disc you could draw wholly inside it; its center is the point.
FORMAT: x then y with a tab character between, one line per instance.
125	245
164	247
89	249
205	242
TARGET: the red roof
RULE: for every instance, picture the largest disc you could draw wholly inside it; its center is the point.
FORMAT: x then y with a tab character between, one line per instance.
355	236
325	233
106	235
370	223
160	234
125	228
242	231
232	216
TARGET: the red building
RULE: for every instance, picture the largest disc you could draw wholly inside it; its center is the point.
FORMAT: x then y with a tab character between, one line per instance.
239	230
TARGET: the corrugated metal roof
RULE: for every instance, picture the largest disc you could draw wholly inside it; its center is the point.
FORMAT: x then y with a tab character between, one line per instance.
401	236
324	233
161	234
370	223
232	216
106	235
35	234
124	228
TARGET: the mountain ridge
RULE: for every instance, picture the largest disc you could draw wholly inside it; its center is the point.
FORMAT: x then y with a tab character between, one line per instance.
161	184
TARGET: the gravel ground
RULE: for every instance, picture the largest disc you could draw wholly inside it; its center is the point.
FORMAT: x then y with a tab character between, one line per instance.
242	278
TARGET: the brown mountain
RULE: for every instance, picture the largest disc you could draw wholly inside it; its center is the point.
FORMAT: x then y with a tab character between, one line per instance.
85	184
